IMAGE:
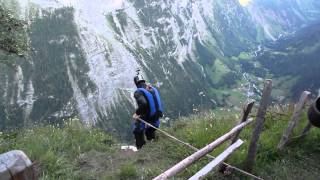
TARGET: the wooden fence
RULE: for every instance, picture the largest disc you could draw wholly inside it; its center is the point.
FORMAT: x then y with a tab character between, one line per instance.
235	142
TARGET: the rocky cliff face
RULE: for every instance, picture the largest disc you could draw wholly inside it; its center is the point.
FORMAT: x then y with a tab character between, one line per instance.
279	18
84	54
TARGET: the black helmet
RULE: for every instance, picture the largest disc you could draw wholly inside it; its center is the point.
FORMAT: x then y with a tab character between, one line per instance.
138	78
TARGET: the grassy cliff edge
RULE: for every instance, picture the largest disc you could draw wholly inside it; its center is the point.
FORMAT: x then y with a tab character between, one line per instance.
73	151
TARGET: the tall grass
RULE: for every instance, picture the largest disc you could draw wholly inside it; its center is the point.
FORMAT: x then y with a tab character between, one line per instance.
55	149
73	151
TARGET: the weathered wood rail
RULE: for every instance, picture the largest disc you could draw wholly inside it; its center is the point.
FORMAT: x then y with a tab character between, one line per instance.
218	160
245	114
202	152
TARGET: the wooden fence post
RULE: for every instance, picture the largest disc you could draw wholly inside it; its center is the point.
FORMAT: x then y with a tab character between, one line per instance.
202	152
294	119
246	111
218	160
260	119
306	129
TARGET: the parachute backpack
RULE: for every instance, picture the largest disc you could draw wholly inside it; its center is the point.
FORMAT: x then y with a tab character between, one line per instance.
155	105
152	96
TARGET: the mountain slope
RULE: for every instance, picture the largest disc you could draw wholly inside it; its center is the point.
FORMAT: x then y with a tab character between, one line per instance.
84	55
290	15
292	61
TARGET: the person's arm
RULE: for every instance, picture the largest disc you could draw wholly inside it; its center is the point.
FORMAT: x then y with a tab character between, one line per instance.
142	103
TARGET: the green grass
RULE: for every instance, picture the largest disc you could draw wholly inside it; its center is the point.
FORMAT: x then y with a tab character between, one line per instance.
55	150
244	55
128	171
74	151
220	69
228	97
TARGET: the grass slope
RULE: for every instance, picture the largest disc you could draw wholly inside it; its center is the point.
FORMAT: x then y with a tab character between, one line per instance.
76	152
58	151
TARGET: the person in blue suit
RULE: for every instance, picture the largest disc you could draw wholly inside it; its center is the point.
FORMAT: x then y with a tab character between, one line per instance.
149	109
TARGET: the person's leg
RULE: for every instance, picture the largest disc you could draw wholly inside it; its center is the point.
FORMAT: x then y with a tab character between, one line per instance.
150	131
139	134
139	137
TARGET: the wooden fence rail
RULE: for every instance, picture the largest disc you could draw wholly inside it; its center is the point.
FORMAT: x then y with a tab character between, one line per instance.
245	114
202	152
246	111
218	160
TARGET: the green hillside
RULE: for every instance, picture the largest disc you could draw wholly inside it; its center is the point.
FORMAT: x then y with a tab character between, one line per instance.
81	56
72	151
292	61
